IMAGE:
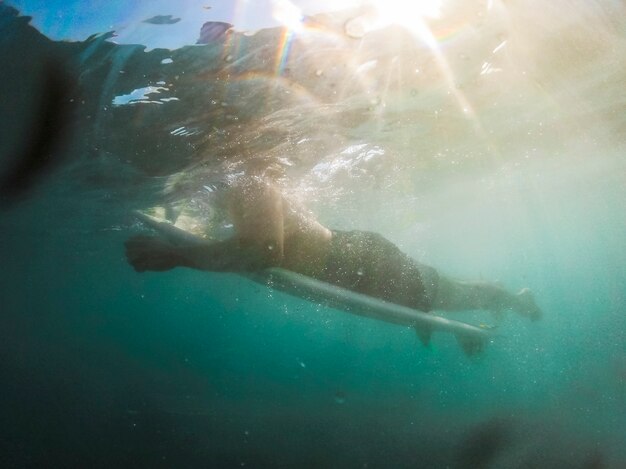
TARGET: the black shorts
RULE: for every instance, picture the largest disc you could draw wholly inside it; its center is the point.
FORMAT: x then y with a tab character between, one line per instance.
367	263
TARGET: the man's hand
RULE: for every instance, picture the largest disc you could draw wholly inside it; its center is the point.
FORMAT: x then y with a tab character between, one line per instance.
151	253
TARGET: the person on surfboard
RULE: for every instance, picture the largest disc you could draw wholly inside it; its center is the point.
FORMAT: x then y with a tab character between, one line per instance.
271	231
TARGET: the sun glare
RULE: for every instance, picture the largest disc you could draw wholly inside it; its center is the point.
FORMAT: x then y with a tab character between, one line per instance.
407	13
411	15
288	14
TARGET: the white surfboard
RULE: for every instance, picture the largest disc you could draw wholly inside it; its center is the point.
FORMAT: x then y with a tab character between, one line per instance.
471	338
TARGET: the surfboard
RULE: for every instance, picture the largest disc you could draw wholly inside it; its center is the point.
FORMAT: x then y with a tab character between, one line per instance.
471	338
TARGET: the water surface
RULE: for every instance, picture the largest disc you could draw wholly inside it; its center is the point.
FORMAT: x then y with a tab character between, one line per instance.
492	149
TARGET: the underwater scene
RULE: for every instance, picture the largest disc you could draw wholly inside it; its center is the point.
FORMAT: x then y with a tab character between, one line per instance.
484	138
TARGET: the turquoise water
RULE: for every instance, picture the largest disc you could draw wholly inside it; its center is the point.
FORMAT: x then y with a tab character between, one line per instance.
516	175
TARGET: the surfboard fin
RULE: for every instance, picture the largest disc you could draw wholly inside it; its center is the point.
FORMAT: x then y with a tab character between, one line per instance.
470	345
424	333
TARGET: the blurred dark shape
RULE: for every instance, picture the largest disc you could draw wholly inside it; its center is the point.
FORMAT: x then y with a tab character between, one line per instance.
162	19
620	378
49	132
340	397
595	461
213	31
485	442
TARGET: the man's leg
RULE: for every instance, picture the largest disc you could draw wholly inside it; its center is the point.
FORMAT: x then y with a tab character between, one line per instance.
454	295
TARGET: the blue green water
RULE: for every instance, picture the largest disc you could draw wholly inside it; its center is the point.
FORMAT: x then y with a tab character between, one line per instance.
104	367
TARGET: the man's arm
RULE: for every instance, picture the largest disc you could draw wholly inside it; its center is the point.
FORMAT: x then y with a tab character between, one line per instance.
257	211
147	253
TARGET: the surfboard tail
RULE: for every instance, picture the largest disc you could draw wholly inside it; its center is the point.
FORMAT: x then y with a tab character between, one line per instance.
424	333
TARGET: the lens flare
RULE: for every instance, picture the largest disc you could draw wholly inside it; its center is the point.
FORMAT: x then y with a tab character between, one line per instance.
289	15
414	16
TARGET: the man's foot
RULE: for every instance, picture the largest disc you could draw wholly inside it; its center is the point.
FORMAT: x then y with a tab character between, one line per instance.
527	306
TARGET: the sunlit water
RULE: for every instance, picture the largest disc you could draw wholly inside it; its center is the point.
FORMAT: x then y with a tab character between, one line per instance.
493	149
